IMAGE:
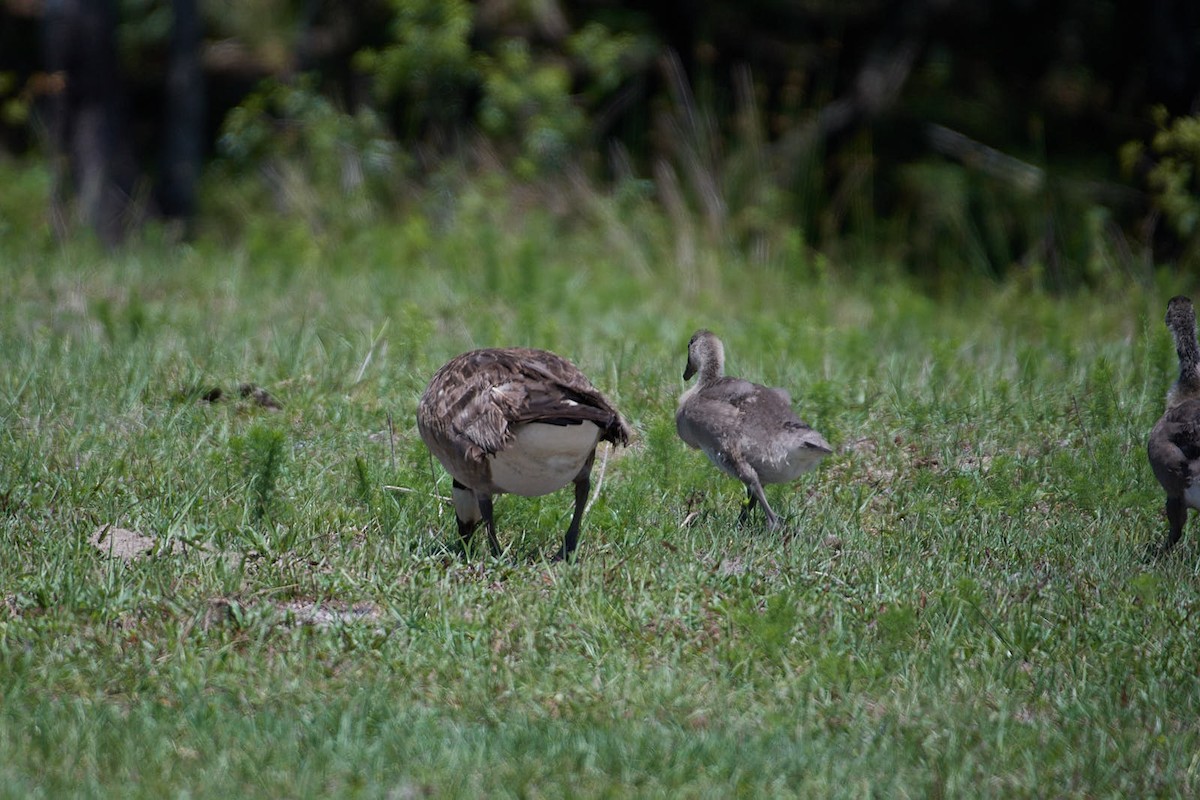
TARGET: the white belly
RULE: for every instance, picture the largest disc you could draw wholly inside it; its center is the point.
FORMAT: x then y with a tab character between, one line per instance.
794	464
543	458
777	466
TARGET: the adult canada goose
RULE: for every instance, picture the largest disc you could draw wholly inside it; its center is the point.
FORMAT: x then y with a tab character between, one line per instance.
1174	446
515	420
749	431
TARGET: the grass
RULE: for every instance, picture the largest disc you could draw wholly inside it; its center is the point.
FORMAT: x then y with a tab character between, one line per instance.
963	608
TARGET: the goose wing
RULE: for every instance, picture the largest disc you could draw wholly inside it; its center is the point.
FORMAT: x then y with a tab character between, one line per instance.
1174	446
753	401
751	409
712	416
558	391
482	395
733	392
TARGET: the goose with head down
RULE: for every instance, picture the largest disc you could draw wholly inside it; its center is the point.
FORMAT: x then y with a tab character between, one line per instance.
747	430
518	421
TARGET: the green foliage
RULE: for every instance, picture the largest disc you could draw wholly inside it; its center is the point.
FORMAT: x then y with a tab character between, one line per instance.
428	70
307	151
441	69
607	56
770	629
14	106
261	453
772	129
1174	176
531	103
364	485
436	78
732	142
954	219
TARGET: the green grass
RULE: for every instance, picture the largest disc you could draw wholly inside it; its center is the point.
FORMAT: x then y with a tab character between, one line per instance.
963	607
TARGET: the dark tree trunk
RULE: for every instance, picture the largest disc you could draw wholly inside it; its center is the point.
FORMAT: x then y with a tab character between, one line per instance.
94	168
184	123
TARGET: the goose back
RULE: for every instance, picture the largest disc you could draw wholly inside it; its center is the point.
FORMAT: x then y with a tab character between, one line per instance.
481	402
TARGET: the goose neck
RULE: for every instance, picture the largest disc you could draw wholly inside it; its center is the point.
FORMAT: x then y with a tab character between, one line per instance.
711	372
1189	358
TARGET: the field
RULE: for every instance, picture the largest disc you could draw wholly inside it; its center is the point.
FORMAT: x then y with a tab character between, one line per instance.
962	603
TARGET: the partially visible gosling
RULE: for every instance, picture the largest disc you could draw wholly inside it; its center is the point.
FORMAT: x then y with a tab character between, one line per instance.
749	431
1174	446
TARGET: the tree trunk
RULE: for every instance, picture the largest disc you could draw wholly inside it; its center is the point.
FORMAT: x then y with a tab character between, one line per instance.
94	168
184	124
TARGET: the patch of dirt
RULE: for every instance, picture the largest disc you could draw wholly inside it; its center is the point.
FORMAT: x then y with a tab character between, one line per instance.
130	545
224	610
863	444
731	566
126	544
330	613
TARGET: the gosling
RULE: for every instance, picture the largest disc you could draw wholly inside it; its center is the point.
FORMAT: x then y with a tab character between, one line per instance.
747	430
1174	446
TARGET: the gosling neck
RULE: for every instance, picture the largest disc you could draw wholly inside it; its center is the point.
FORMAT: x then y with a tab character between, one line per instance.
1188	384
713	368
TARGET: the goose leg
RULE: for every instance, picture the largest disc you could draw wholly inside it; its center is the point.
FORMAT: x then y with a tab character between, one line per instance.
466	513
583	486
1176	516
489	523
755	491
465	529
747	506
772	520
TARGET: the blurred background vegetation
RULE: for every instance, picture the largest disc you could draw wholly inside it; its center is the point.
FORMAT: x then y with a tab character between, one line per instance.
1056	142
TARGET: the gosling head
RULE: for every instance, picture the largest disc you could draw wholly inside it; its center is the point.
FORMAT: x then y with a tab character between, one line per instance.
706	355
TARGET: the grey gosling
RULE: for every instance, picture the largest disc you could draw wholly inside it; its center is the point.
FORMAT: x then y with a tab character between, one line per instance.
515	420
1174	446
749	431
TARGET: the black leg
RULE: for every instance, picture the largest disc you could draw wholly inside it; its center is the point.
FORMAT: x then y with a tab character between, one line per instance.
465	514
1176	516
583	486
489	522
747	506
465	529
